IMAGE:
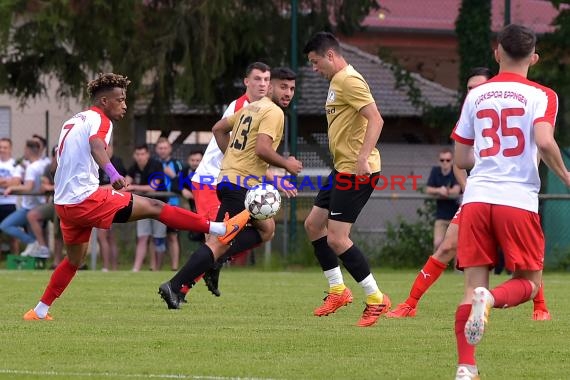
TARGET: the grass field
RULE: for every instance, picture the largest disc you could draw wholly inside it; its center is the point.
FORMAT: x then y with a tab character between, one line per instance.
115	326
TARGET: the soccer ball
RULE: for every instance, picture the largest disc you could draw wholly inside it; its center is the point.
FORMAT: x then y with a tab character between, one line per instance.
262	201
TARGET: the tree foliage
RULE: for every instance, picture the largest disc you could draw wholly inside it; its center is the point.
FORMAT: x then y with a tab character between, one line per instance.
473	29
190	49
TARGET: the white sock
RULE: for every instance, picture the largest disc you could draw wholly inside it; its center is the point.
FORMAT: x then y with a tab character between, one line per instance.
217	228
369	285
334	276
41	310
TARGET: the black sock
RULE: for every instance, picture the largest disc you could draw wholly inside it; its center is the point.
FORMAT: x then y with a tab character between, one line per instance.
248	238
198	263
325	255
355	263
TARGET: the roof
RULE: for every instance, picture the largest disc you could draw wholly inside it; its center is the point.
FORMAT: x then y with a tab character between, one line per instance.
440	15
391	101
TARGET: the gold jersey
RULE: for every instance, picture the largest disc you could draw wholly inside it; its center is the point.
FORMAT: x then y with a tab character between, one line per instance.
241	165
348	93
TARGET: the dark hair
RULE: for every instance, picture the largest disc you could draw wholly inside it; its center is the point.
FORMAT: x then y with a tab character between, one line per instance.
446	150
33	145
283	73
42	140
193	152
6	139
263	67
105	82
480	71
54	151
517	41
142	147
321	42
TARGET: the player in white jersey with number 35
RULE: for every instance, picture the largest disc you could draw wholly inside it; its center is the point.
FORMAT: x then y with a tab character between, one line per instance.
81	204
508	121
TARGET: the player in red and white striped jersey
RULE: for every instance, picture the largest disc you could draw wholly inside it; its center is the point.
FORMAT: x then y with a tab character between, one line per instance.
505	122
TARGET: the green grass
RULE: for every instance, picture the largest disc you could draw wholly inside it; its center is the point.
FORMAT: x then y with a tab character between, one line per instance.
114	326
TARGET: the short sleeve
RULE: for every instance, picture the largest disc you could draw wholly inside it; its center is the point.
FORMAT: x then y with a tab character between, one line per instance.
464	131
356	92
432	180
101	128
272	122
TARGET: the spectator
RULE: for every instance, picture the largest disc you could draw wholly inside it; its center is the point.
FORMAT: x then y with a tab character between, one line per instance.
192	162
106	238
9	176
139	177
43	148
442	184
171	168
40	215
13	223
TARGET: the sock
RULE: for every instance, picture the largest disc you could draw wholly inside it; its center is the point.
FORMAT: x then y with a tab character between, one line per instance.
180	219
428	275
512	293
196	265
539	301
217	228
355	263
373	295
465	351
60	279
41	310
324	254
336	282
247	238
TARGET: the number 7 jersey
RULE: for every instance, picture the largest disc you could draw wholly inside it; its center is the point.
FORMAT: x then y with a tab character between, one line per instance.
498	118
77	174
240	162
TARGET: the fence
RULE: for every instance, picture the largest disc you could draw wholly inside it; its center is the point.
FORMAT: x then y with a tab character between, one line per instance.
384	212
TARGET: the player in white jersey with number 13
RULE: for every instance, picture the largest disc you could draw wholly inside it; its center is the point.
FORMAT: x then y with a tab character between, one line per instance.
508	121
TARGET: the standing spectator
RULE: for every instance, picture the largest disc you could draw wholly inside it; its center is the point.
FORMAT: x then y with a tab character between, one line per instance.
39	215
139	176
43	148
192	162
13	224
9	176
171	168
106	238
442	183
354	127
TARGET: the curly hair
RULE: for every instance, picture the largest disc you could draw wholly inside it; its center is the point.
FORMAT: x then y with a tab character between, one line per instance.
106	81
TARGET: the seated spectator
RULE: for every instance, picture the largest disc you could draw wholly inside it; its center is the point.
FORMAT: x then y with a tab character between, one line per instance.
13	224
9	176
40	215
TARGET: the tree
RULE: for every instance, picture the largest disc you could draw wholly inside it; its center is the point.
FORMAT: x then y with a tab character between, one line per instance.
193	50
473	28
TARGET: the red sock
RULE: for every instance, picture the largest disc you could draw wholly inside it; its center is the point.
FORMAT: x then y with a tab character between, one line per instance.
512	293
427	276
465	351
539	301
180	219
60	278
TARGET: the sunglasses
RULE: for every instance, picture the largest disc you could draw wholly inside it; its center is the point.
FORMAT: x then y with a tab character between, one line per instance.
444	160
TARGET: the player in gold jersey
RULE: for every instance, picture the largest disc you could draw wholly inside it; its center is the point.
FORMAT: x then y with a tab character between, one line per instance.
354	126
256	133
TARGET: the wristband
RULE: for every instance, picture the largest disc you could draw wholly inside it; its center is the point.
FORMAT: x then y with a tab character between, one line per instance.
110	170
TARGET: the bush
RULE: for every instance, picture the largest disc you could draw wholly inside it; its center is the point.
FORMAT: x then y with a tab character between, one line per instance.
408	244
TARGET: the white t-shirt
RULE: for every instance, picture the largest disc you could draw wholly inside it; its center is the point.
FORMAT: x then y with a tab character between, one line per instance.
34	172
8	169
209	168
77	174
498	118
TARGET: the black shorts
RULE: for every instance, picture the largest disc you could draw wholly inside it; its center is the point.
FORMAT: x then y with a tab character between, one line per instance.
232	199
346	196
